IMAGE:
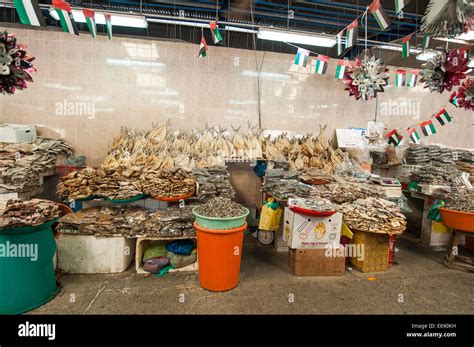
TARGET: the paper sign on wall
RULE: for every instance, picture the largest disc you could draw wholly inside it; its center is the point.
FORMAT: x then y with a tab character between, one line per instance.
349	138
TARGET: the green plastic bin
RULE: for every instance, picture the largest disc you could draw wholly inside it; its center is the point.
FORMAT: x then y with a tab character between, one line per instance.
26	284
220	223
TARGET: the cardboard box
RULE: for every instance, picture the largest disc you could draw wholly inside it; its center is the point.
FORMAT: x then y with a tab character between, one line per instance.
315	262
310	232
17	133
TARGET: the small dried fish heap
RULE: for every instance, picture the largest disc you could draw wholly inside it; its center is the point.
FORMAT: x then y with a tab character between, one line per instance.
283	184
374	215
168	183
315	175
435	174
464	160
21	164
105	221
172	222
462	201
220	207
347	191
17	213
314	204
212	182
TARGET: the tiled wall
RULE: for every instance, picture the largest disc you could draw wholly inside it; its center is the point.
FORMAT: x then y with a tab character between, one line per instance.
138	82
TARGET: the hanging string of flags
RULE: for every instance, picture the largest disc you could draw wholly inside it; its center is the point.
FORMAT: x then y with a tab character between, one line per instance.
427	127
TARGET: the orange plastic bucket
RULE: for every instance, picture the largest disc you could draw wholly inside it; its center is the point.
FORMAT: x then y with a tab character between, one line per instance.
463	221
219	253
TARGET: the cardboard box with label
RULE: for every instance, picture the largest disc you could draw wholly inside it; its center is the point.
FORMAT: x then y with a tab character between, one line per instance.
309	232
317	262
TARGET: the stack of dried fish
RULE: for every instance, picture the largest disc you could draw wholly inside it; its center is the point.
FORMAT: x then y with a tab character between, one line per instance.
16	213
168	183
342	192
282	184
435	174
417	155
462	201
105	221
21	164
172	222
220	207
314	204
374	215
212	182
464	160
315	175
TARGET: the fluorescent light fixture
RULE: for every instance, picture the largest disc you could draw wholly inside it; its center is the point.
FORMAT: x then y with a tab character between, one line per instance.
425	56
117	20
240	30
178	22
320	40
399	48
469	36
132	62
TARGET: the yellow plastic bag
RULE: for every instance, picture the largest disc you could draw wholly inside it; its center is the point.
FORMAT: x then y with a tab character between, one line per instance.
269	218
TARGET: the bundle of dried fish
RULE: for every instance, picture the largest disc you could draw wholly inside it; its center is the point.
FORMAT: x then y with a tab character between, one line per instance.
438	174
314	204
374	215
125	220
168	183
172	222
220	207
212	182
16	213
22	164
315	175
342	192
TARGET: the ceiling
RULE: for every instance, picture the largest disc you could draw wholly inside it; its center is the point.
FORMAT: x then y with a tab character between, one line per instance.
327	16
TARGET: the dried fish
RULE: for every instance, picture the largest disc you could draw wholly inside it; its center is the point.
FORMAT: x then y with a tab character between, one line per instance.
168	183
220	207
314	204
16	213
212	182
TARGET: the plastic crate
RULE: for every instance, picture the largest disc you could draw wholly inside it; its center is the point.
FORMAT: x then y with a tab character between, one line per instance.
376	251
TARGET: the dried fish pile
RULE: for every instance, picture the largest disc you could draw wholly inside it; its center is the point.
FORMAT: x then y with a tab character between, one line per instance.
436	174
463	201
466	167
212	182
220	207
374	215
314	204
21	164
352	191
284	184
105	221
16	213
172	222
314	174
168	183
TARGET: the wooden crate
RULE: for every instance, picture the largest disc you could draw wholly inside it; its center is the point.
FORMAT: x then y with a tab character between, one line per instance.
376	249
144	242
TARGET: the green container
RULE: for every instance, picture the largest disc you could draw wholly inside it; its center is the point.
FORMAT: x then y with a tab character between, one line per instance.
126	201
26	283
215	223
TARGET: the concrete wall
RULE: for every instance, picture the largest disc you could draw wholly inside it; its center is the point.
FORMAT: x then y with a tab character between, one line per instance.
137	82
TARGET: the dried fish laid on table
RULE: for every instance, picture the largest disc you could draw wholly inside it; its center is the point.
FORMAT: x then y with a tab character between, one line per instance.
461	201
315	175
16	213
347	191
168	183
314	204
172	222
374	215
439	174
220	207
212	182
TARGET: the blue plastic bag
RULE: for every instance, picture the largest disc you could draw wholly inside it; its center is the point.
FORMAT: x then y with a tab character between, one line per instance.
181	247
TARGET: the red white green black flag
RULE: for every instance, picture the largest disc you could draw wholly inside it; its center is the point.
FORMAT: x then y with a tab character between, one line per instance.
426	42
351	34
406	46
108	25
29	12
453	99
216	35
380	16
90	20
202	48
428	128
400	78
321	64
414	136
66	19
443	117
413	78
302	57
394	138
400	4
341	69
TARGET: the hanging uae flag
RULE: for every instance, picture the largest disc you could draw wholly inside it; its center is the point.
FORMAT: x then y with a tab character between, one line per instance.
414	136
339	43
202	48
394	138
351	34
108	25
400	4
428	128
443	117
454	100
216	35
341	69
413	78
29	12
90	20
321	64
406	46
400	78
65	17
426	42
302	57
380	15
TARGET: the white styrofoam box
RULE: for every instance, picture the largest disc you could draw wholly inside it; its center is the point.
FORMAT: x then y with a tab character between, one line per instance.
84	254
16	133
303	231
